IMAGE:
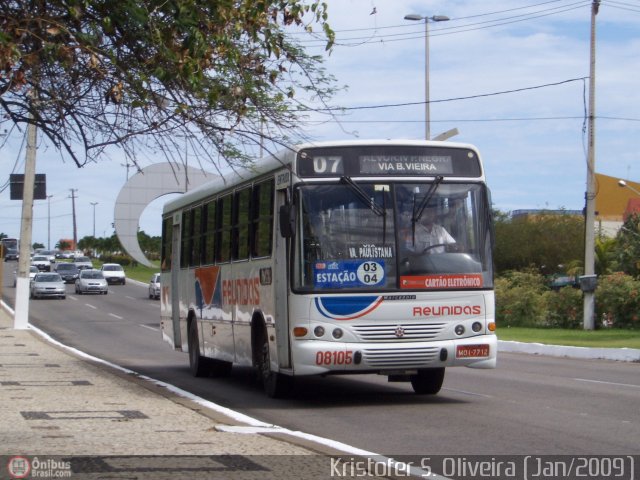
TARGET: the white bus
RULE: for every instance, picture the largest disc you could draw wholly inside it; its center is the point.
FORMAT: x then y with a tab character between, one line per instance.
314	262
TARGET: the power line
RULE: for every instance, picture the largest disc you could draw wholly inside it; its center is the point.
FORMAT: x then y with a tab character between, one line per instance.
470	97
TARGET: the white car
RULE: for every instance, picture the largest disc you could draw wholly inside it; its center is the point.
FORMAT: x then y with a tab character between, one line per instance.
91	281
42	262
32	273
114	273
154	286
83	262
48	285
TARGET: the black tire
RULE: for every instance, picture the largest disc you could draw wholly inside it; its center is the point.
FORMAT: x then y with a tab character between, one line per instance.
197	363
219	368
428	381
275	384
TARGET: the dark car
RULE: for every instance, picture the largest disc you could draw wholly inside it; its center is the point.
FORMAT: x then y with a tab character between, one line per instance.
11	254
68	271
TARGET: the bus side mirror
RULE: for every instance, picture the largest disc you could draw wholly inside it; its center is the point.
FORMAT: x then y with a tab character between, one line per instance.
287	220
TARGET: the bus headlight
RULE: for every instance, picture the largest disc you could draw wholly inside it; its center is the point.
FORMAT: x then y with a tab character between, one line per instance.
337	333
476	327
459	329
318	331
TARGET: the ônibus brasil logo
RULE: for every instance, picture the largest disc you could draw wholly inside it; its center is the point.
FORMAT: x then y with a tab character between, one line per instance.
19	467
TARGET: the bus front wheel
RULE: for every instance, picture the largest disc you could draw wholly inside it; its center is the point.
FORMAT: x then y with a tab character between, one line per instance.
428	381
275	384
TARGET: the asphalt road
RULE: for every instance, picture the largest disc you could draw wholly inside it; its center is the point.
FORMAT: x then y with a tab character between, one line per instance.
529	405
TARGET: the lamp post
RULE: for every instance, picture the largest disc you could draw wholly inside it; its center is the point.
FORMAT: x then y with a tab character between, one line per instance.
623	184
434	18
49	222
93	204
588	281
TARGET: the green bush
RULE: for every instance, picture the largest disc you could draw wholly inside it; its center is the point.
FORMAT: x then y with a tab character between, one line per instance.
520	300
618	300
564	307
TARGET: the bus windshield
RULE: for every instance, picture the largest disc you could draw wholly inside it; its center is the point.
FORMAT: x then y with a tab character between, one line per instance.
390	236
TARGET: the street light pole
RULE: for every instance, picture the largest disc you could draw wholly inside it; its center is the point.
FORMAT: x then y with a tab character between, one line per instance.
49	222
589	300
622	183
93	204
427	112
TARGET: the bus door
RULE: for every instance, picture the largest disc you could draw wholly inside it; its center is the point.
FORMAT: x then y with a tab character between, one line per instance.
280	275
175	281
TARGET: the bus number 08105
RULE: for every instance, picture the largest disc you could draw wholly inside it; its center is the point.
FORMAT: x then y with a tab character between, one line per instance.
339	357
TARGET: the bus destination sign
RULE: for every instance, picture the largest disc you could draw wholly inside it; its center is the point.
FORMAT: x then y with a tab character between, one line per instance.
406	164
388	161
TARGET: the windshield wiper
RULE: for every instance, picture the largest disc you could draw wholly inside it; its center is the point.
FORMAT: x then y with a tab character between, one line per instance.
417	213
363	197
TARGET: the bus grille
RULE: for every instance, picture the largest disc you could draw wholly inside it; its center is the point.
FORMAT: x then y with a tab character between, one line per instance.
395	331
400	357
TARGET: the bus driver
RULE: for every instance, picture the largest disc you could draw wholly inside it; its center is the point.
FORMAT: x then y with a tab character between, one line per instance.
427	236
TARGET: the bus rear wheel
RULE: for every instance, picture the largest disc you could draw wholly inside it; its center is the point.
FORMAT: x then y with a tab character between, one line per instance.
197	363
428	381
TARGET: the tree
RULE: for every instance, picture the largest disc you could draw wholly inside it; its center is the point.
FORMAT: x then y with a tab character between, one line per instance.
627	248
542	241
145	74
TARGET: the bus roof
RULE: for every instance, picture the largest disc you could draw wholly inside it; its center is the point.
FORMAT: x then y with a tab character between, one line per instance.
284	159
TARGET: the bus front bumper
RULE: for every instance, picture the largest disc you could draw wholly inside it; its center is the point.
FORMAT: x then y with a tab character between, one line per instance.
316	357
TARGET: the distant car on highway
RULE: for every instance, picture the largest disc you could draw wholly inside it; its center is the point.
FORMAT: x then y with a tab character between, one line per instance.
154	286
68	271
11	254
47	284
83	262
114	273
91	281
42	262
32	273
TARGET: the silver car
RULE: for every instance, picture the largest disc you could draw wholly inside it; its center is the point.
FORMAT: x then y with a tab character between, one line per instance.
91	281
48	285
154	286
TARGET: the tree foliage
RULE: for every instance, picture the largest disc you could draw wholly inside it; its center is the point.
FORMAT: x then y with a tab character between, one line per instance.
627	247
146	74
542	241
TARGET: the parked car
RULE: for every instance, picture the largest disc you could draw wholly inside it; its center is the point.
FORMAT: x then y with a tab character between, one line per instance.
154	286
114	273
32	273
43	263
47	285
91	281
83	262
68	271
11	254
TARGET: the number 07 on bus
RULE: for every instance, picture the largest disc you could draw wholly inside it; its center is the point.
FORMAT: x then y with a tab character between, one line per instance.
346	257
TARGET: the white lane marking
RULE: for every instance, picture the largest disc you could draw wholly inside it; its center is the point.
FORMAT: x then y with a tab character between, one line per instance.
116	316
607	383
91	306
465	392
150	328
130	298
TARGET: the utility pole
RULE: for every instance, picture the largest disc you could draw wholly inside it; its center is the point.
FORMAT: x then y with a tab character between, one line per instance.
93	204
49	222
73	210
588	281
21	317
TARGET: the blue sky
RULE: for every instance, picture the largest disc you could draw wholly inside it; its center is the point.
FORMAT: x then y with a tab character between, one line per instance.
532	140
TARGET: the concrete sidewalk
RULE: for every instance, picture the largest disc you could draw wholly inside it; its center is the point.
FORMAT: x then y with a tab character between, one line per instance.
57	404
